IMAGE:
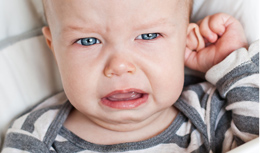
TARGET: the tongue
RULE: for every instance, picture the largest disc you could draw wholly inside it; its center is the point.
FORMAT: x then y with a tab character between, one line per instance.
124	96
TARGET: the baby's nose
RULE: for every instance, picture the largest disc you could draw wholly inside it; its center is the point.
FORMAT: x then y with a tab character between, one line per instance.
118	65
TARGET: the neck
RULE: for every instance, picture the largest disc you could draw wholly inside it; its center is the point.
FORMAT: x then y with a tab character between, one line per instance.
83	127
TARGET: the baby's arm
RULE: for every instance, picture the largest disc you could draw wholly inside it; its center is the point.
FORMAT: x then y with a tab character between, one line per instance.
235	74
222	34
236	79
234	71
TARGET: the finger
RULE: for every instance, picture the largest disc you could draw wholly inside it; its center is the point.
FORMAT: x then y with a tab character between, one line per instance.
219	22
231	32
191	60
200	61
206	32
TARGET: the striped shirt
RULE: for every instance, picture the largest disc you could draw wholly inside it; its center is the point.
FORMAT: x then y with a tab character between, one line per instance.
214	116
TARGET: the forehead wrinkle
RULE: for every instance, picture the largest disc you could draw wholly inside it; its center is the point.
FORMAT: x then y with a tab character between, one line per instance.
85	29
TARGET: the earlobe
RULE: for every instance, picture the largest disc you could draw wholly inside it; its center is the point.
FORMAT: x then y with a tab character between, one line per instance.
195	41
47	34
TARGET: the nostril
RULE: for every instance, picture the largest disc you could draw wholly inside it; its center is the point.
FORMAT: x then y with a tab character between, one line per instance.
118	66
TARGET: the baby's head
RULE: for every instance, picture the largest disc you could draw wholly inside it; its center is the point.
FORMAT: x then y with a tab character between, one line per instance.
121	62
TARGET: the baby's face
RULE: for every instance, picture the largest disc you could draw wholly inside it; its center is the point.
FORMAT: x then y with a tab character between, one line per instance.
120	61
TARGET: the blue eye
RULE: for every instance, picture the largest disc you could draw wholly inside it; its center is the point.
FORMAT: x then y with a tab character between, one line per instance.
148	36
88	41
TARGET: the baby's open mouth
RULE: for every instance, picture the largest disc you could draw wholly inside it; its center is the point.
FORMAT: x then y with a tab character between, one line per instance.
125	99
125	96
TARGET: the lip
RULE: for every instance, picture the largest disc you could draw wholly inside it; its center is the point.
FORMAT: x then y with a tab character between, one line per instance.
128	104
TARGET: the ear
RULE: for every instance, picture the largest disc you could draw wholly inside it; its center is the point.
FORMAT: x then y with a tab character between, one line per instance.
195	41
47	34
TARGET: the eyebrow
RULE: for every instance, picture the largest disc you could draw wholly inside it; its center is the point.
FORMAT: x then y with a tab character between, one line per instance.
79	28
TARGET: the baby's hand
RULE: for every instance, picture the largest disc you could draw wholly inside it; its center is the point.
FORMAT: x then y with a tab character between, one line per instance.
222	35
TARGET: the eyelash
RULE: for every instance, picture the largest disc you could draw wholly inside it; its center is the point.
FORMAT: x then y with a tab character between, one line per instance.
147	35
89	41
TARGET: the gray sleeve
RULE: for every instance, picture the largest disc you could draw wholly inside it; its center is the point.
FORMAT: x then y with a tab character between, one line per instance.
236	79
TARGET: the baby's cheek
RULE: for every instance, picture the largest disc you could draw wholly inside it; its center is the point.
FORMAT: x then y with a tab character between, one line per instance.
168	90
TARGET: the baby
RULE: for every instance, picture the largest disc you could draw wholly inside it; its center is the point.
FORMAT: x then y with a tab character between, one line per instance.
122	67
